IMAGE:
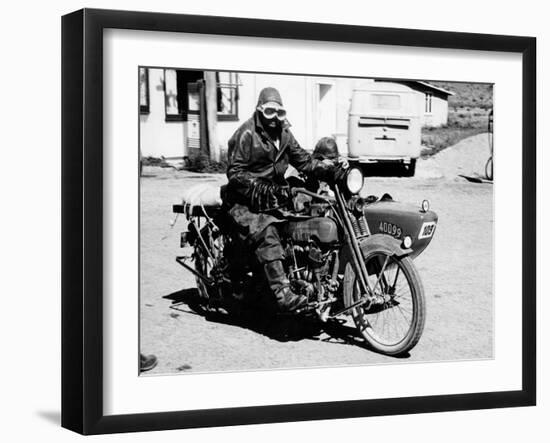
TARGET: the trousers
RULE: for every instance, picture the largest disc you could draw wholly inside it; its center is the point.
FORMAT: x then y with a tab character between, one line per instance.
268	245
261	234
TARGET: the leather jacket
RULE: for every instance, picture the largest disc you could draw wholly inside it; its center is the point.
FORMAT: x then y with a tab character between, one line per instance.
254	157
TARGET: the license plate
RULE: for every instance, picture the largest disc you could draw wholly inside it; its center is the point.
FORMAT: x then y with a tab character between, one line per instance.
384	145
390	228
427	230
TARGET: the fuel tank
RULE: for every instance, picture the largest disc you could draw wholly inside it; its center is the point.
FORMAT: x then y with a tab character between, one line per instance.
321	229
400	220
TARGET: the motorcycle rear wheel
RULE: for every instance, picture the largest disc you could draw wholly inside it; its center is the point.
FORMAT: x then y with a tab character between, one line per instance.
208	295
392	326
203	264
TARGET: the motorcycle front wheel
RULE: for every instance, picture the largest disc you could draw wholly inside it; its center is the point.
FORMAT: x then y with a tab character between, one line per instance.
393	323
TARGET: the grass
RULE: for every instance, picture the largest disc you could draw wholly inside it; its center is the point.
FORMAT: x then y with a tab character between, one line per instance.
195	163
468	95
202	163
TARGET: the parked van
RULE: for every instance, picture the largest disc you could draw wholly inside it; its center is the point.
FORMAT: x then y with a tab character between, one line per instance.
384	125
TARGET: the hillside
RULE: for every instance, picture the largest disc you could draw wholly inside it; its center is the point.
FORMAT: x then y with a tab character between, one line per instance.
468	95
469	109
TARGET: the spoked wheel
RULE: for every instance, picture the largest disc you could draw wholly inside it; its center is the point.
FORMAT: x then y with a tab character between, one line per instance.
394	322
204	264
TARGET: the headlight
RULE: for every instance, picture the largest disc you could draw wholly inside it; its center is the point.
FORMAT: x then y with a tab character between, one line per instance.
425	206
354	180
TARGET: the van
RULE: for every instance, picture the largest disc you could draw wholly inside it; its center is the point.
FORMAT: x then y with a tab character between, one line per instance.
384	125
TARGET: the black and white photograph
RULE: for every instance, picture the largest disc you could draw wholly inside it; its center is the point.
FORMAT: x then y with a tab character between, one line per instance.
291	221
267	222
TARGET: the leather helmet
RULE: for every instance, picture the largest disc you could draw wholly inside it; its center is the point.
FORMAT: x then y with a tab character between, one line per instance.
326	147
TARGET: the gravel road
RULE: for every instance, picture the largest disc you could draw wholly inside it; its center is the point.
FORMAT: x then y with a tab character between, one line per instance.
456	270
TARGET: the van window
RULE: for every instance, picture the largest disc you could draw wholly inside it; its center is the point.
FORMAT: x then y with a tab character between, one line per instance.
390	102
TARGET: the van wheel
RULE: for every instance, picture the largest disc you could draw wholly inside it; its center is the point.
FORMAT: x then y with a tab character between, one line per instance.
411	168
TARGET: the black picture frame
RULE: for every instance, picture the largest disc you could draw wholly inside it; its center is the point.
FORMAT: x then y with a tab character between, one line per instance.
82	218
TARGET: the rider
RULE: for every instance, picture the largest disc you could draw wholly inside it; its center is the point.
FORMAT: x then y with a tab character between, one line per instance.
259	154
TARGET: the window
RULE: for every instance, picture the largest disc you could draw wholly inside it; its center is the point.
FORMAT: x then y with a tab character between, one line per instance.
181	93
143	91
184	94
428	102
386	101
227	96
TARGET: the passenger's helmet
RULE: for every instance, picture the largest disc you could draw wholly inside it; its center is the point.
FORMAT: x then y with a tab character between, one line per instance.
326	148
269	95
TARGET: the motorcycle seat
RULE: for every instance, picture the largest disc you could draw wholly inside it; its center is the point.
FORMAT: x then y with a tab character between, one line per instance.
199	199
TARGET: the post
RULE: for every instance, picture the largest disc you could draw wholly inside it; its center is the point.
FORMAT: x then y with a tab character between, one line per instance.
211	87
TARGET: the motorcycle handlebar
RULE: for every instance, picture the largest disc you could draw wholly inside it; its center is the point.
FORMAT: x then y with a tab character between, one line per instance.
296	191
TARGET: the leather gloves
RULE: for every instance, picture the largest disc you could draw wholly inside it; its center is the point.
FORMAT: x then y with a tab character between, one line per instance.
331	173
266	196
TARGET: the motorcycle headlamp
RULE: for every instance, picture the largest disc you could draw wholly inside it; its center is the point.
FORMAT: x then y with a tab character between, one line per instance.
407	242
354	180
425	205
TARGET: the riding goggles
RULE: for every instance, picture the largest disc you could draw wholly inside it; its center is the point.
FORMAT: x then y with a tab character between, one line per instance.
270	112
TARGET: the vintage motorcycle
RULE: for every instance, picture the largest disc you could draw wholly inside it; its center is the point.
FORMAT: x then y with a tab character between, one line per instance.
351	256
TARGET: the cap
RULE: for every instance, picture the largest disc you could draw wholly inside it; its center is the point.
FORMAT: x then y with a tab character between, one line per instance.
269	95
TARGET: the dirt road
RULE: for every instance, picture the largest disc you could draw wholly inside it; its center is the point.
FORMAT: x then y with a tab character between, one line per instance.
456	270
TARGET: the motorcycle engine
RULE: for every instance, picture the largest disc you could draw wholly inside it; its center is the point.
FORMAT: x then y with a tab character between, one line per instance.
309	271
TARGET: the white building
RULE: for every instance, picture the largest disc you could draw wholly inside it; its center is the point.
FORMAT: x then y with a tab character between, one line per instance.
170	107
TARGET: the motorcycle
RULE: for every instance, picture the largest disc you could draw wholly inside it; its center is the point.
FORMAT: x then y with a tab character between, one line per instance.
351	256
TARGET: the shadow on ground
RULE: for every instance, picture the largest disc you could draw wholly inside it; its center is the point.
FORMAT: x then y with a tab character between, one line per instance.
53	417
282	328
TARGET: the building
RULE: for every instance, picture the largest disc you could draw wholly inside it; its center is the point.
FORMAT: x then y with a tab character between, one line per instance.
171	110
433	102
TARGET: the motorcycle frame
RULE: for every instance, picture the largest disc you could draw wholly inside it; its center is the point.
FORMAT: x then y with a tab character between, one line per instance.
341	213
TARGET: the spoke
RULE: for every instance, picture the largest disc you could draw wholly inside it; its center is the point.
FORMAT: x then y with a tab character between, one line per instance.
403	308
404	288
401	312
394	314
396	275
381	272
390	319
376	320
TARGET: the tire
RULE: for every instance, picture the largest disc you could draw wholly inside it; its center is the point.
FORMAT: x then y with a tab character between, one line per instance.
396	309
411	168
204	265
489	168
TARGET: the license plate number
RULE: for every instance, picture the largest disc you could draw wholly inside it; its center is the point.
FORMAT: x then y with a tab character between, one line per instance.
390	228
427	230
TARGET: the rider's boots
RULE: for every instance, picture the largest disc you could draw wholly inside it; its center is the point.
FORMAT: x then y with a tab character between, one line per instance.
287	300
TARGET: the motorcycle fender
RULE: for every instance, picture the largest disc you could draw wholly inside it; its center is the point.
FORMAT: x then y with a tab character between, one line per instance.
384	243
379	242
